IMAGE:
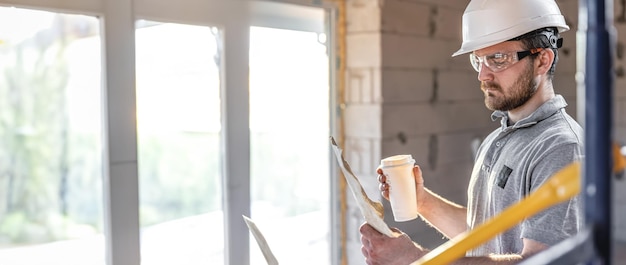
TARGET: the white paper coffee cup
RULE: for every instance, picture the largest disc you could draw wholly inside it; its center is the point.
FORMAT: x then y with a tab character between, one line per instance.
399	172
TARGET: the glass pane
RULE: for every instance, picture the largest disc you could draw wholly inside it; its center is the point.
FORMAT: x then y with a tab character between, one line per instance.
51	138
289	124
178	115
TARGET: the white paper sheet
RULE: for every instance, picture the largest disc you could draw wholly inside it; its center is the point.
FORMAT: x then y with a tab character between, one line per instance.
371	210
260	240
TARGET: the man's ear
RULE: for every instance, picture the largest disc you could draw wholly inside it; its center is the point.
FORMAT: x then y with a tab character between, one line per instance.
544	61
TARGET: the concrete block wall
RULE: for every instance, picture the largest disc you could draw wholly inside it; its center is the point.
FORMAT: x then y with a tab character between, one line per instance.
362	113
436	118
406	94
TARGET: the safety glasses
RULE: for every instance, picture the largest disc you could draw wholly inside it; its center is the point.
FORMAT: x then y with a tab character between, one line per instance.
500	61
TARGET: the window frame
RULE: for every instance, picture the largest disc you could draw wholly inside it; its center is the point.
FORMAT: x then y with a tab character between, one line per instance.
120	162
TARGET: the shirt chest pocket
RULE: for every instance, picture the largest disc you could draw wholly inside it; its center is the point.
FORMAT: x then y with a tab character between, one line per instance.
502	176
504	188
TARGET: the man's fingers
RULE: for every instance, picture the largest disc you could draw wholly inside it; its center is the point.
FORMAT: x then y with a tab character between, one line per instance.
417	170
368	231
384	190
382	178
365	243
417	174
383	186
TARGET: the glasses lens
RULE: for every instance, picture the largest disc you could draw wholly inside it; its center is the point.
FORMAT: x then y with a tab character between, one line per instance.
496	62
476	63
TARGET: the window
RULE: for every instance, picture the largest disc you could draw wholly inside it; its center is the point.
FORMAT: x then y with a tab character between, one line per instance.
101	131
178	116
289	127
50	133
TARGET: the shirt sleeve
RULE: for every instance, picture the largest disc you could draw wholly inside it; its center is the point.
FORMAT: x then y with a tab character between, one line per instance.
563	220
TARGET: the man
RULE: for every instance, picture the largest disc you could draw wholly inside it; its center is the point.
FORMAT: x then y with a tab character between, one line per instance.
513	46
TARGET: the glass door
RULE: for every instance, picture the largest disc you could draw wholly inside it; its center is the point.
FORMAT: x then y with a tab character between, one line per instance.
178	124
51	138
289	132
165	122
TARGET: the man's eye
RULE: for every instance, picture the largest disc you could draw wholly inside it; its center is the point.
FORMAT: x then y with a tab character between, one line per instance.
498	59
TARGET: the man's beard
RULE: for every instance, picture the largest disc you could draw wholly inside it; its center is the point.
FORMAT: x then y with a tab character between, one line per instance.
521	91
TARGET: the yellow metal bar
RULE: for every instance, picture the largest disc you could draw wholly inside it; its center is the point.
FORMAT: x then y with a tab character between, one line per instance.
560	187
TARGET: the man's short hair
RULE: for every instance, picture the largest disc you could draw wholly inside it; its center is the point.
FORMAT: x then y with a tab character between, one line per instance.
548	38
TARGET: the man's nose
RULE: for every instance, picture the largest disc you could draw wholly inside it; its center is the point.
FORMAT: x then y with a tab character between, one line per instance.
484	73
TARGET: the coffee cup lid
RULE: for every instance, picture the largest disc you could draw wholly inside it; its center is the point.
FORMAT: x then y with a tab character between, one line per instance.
397	160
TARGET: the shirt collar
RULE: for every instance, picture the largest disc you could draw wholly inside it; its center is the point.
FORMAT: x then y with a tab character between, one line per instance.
544	111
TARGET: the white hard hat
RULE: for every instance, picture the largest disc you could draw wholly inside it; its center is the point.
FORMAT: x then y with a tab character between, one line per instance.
489	22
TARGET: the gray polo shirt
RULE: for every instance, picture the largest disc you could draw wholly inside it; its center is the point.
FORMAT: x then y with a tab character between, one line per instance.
515	160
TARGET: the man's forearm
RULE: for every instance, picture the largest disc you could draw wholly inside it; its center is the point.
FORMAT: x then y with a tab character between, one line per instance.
447	217
486	260
493	259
